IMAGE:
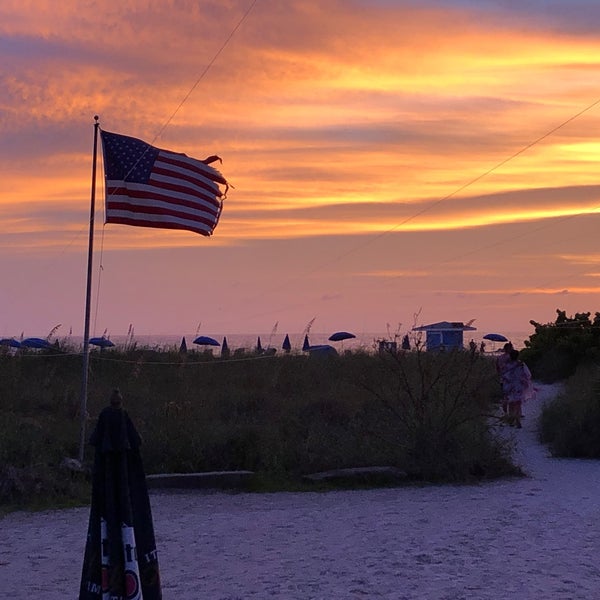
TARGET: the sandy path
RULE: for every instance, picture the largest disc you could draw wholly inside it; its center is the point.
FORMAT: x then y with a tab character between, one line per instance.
535	538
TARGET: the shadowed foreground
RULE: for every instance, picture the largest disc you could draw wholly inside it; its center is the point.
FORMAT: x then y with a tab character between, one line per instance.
535	537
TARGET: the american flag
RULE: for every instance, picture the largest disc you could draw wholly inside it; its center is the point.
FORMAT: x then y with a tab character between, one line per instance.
151	187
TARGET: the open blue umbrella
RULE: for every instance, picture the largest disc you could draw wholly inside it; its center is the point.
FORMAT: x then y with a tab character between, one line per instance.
34	342
101	342
204	340
10	342
495	337
339	336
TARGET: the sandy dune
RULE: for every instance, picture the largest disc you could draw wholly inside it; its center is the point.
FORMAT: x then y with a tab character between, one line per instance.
535	538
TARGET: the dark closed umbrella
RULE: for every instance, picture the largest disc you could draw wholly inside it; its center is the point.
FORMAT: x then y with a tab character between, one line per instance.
224	348
306	344
120	559
339	336
183	346
259	347
287	345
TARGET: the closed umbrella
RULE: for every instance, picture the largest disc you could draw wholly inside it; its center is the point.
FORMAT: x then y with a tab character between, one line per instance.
306	344
224	348
120	558
286	346
183	346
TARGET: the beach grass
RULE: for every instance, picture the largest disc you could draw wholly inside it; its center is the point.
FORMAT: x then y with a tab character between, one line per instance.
282	416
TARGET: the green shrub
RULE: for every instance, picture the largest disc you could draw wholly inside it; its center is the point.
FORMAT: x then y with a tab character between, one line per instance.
555	350
430	406
570	424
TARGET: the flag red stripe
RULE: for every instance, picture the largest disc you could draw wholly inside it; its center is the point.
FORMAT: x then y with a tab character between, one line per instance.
152	194
162	224
179	187
193	165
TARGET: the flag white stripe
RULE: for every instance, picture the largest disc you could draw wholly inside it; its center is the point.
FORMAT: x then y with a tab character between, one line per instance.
149	191
138	204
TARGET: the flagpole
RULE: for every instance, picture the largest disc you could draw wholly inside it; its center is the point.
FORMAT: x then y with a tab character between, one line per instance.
88	295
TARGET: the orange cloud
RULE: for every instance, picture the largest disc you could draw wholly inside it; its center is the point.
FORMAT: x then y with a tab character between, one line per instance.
341	124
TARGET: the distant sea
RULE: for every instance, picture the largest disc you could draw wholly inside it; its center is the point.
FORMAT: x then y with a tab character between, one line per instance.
367	342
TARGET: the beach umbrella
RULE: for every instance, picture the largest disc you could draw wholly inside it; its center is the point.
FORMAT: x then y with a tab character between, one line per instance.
287	346
204	340
306	344
224	348
495	337
120	558
339	336
259	347
10	342
34	342
101	342
183	346
322	350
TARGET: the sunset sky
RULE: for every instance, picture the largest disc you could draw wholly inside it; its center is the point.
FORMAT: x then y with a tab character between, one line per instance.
388	159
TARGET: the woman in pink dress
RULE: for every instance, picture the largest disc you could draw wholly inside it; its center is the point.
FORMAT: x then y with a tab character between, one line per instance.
517	387
502	363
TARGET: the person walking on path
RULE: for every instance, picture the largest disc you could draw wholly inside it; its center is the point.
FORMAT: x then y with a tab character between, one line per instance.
502	363
517	387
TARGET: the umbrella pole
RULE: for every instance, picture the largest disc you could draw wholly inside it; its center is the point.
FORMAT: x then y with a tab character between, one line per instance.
88	295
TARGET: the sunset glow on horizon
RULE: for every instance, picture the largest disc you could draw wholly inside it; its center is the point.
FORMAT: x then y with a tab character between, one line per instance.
387	158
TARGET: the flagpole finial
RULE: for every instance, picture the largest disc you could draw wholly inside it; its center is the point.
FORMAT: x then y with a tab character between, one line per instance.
96	117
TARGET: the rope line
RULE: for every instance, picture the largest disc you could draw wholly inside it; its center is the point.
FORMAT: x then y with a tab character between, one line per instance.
143	361
206	69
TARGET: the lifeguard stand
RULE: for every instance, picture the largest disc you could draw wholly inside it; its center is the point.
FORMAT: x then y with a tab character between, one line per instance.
446	335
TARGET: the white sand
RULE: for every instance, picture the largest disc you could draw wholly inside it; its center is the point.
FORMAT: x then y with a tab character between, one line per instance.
537	538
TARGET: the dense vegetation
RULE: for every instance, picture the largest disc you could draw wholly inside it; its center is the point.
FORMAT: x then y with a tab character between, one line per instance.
570	424
568	350
286	416
281	416
555	350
